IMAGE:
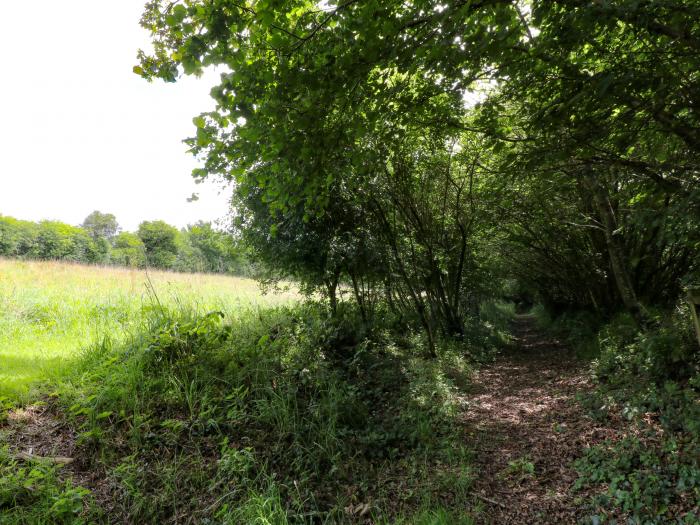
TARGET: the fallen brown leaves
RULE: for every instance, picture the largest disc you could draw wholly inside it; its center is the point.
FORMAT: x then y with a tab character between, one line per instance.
521	413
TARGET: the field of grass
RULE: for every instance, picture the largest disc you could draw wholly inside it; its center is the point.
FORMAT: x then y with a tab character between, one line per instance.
49	311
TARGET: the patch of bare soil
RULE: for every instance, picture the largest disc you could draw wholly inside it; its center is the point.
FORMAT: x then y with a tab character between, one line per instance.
39	433
527	428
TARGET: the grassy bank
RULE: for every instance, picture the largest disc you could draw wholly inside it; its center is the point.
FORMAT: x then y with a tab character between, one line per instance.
212	404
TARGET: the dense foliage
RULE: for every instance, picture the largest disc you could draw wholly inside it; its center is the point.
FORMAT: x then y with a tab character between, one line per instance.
580	148
265	417
406	162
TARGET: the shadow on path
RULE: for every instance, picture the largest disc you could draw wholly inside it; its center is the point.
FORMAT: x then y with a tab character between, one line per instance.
526	428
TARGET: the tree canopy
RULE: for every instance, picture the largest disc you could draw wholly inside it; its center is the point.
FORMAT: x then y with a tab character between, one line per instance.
101	225
425	149
198	248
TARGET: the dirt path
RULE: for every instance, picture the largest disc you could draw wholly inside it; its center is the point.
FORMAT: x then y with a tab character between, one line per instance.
522	415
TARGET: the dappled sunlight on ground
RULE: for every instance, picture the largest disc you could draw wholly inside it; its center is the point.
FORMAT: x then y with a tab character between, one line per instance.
527	428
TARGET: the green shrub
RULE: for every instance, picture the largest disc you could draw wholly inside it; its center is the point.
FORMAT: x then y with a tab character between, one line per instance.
578	328
128	251
17	238
49	240
649	479
160	241
667	352
497	316
653	378
56	240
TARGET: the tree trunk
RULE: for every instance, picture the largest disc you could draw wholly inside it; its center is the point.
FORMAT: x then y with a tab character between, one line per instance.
618	261
359	298
331	289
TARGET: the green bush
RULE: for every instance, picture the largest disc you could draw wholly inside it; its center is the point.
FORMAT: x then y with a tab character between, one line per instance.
578	328
56	240
128	251
650	479
17	238
666	352
160	242
49	240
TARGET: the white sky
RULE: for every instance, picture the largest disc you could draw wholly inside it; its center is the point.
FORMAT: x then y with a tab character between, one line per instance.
79	131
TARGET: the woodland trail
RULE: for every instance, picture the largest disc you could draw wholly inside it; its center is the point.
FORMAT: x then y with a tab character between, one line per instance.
527	428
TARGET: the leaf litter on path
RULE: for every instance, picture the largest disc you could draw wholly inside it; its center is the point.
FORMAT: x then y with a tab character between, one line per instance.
527	428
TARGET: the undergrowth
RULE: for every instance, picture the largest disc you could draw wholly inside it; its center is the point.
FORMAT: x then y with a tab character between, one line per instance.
33	493
284	415
651	378
496	317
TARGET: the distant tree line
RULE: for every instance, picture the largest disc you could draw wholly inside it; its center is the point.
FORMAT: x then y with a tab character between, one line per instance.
99	240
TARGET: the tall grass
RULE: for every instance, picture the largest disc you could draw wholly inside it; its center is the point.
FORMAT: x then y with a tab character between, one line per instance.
49	311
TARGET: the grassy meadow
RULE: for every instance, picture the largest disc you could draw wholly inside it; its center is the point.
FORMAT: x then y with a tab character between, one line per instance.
50	311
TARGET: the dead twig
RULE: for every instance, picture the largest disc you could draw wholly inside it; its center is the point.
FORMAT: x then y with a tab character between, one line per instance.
489	500
57	460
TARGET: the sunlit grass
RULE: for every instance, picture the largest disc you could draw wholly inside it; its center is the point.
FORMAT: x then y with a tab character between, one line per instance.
49	311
